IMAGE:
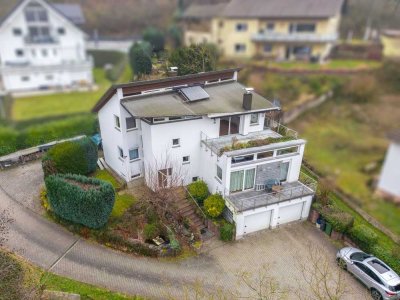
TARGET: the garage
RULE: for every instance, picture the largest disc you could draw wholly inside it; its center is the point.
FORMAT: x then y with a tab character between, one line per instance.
258	221
290	213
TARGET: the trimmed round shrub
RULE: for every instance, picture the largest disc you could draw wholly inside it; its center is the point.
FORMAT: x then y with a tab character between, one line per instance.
226	232
72	157
214	205
79	199
364	237
150	231
199	191
341	221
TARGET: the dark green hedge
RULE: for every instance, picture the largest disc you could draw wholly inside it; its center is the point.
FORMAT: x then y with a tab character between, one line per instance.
72	157
199	191
341	221
227	232
364	237
12	139
79	199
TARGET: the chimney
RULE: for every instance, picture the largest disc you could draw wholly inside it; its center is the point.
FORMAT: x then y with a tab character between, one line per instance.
248	98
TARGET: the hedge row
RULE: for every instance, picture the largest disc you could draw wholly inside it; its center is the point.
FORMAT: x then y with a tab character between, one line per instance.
13	140
79	199
341	221
117	59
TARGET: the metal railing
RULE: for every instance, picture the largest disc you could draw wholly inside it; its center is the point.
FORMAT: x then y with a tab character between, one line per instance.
208	142
281	129
199	210
293	37
303	187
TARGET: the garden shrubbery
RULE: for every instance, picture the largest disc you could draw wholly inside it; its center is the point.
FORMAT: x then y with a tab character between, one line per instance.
82	200
199	191
214	205
341	221
150	231
364	237
74	157
227	232
360	89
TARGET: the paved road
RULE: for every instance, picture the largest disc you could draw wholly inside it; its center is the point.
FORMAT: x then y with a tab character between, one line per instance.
51	247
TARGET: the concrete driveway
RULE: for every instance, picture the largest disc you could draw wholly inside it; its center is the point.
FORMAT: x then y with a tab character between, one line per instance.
51	247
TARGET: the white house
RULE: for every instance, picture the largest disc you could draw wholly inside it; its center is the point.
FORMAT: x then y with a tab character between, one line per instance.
389	182
42	47
211	127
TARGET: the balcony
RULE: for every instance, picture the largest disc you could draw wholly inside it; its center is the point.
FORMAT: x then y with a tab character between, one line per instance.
253	199
267	36
272	134
48	39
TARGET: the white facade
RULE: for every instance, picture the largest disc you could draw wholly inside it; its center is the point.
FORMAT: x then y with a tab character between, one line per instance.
42	49
389	182
185	145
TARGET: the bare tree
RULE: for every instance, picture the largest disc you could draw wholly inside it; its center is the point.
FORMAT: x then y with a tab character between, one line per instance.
321	280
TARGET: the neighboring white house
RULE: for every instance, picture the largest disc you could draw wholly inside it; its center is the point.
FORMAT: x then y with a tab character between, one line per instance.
42	47
389	182
187	127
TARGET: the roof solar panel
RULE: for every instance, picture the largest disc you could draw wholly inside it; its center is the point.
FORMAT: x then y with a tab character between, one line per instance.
194	93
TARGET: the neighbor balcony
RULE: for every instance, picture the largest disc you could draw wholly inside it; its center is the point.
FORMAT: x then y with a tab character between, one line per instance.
274	133
259	197
267	36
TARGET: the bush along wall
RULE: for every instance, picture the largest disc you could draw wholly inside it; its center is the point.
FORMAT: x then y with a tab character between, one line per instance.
199	191
79	199
75	157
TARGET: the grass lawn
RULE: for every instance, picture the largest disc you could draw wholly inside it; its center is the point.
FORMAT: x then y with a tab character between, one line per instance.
106	176
36	107
331	65
343	138
86	291
122	203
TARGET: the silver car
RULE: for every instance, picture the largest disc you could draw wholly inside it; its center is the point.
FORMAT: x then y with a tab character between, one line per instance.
382	281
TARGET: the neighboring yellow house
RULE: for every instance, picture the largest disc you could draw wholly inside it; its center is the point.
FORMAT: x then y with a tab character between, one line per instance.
278	29
390	40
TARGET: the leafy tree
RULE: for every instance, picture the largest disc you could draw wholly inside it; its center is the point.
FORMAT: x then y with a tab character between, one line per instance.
140	59
194	59
175	36
155	37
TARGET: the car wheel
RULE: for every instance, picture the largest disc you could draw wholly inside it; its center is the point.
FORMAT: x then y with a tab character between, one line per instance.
341	263
376	295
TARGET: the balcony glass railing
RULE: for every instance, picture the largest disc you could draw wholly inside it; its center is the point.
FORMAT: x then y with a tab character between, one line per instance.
268	36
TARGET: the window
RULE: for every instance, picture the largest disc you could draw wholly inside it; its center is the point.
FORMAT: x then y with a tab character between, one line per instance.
359	256
239	159
270	26
219	172
229	125
186	159
34	12
61	31
164	177
284	170
158	120
287	151
254	119
17	31
39	34
44	52
117	123
241	27
133	153
380	267
175	118
240	48
176	142
19	52
25	78
120	152
267	48
266	154
305	27
242	180
130	123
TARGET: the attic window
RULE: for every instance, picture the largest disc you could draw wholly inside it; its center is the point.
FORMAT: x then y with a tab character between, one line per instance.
194	93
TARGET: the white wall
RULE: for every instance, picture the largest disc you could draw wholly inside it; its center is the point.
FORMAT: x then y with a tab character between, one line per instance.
66	56
390	177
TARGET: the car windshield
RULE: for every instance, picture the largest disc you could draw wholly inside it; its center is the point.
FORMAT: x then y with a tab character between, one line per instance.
379	266
359	256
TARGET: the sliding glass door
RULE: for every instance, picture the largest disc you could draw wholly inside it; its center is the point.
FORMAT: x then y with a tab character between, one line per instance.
242	180
229	125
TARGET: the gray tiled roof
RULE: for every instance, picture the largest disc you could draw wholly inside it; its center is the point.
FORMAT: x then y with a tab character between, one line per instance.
72	12
203	11
268	9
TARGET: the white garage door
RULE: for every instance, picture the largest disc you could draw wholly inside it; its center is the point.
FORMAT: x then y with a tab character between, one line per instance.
290	213
257	221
